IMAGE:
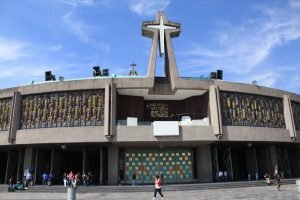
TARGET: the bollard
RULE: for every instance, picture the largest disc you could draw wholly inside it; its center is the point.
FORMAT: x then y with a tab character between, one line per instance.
298	184
71	195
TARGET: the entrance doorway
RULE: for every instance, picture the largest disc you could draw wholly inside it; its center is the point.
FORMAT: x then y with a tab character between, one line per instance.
71	160
239	164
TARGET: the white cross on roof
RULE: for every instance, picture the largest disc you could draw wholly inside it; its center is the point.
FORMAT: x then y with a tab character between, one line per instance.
162	27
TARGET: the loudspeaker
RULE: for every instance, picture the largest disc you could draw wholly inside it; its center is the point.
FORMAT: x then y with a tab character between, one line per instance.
105	72
96	71
48	76
213	75
219	74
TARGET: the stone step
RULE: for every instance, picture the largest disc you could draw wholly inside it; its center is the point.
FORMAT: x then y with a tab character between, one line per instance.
143	188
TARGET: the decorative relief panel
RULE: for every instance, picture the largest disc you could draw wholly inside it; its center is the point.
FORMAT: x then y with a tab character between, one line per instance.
296	114
5	110
63	109
240	109
171	165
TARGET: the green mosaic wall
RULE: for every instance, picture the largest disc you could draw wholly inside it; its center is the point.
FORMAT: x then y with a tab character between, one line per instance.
174	165
63	109
240	109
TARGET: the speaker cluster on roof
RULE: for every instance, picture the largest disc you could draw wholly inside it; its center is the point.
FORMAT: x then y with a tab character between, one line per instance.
49	76
216	75
97	71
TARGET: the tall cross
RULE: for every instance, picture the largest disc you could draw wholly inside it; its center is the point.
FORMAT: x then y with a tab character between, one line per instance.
161	27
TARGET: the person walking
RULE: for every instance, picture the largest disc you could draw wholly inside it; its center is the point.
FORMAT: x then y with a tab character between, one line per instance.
28	178
277	180
225	175
267	178
221	175
70	177
65	179
45	178
133	179
50	179
157	187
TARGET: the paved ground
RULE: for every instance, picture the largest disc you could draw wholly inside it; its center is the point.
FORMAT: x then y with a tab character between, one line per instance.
252	193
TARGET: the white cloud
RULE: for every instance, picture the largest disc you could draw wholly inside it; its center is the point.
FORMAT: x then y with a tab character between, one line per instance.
56	47
104	47
265	78
77	27
17	74
88	3
12	50
83	31
148	7
241	48
15	71
294	4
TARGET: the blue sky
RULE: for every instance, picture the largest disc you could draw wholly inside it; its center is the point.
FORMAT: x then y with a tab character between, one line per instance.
249	40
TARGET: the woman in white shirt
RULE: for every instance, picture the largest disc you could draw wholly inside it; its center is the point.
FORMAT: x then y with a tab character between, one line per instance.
157	187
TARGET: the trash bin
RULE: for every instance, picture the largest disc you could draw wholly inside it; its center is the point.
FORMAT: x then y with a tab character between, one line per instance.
298	185
71	195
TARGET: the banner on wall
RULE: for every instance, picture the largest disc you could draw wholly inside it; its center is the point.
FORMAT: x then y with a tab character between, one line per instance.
166	128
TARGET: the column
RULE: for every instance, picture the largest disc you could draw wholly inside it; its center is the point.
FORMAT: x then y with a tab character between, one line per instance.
52	160
101	166
273	158
7	163
113	109
113	154
84	161
215	110
28	158
204	164
19	164
106	109
35	166
288	116
15	116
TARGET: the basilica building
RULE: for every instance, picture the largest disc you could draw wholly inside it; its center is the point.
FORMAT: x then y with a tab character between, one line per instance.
184	129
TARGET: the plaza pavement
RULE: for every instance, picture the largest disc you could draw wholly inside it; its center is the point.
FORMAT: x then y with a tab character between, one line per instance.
250	193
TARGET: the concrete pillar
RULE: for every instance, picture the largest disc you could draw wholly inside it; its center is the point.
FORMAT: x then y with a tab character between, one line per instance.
288	116
56	166
84	160
215	110
15	117
170	64
153	56
273	158
113	157
7	163
19	165
106	109
52	160
113	111
204	163
28	158
35	166
101	166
